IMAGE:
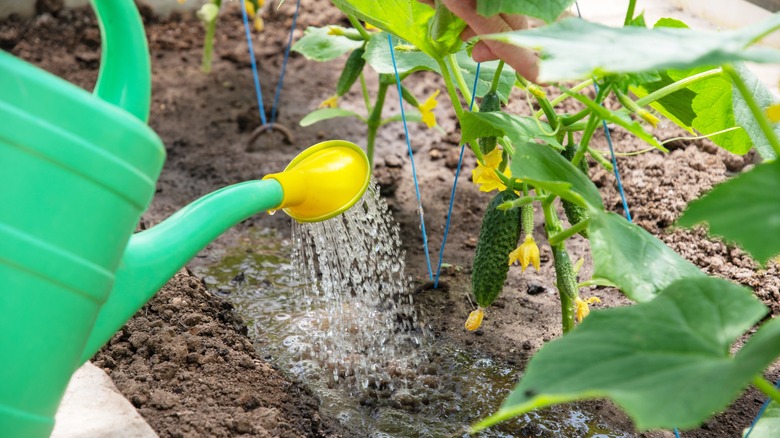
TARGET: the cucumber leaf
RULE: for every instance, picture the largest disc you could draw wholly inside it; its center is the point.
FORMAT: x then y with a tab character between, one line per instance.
518	129
744	210
546	10
321	114
577	49
657	360
545	167
320	44
627	255
378	56
408	20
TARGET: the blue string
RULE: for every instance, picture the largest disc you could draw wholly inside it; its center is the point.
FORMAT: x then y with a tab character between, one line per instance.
284	63
612	151
615	166
454	186
761	412
411	157
258	90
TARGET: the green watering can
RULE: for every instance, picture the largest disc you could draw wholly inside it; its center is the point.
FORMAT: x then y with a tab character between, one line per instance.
77	170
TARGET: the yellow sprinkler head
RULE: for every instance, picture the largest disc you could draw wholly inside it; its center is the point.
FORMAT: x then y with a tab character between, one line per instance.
323	181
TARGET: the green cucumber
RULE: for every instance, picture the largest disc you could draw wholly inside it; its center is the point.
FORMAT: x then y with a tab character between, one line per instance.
352	69
490	103
497	238
575	213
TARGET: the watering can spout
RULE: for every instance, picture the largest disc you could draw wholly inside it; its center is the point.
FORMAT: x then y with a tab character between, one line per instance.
321	182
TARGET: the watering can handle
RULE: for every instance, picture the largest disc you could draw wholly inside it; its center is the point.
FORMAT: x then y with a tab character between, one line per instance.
125	71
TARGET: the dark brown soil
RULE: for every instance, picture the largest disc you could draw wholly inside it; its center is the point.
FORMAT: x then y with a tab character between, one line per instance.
184	360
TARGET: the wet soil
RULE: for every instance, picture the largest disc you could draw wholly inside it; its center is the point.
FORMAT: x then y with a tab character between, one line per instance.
185	360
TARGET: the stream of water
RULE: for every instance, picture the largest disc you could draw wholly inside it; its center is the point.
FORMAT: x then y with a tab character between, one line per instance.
333	308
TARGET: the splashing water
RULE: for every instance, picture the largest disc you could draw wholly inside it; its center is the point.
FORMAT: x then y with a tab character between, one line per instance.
353	271
340	318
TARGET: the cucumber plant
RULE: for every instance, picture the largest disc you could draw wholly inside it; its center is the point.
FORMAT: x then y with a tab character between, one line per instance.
657	359
208	14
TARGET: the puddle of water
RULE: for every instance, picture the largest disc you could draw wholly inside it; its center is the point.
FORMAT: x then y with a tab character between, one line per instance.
362	351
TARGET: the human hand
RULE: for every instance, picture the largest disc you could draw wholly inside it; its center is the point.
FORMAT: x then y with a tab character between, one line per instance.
524	61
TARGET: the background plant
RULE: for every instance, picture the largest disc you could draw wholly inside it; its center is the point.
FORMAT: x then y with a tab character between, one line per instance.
659	358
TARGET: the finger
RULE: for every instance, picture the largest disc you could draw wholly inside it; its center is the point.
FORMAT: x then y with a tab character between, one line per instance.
482	53
524	61
467	34
516	22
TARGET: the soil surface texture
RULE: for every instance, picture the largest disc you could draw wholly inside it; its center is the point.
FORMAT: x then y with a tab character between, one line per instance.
185	361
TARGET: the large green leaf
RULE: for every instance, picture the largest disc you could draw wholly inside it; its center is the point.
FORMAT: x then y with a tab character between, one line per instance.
546	168
468	68
744	117
712	105
444	30
407	19
635	260
769	424
321	114
378	57
666	362
518	129
546	10
577	49
744	210
319	44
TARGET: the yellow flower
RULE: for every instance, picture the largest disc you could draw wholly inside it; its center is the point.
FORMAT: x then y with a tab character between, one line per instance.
331	102
773	112
527	253
335	30
426	109
371	28
250	9
485	175
648	117
475	319
181	2
259	23
581	309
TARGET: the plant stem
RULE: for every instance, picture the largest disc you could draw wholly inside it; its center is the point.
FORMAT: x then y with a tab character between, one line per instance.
364	90
464	88
565	234
629	12
356	24
766	387
208	41
677	86
456	105
374	122
497	76
590	128
565	96
445	73
758	113
596	155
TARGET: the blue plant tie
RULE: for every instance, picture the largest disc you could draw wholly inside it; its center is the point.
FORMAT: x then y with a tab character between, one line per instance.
761	412
454	186
411	158
255	75
258	90
284	63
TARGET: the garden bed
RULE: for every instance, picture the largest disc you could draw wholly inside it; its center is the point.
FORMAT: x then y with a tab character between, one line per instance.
184	361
